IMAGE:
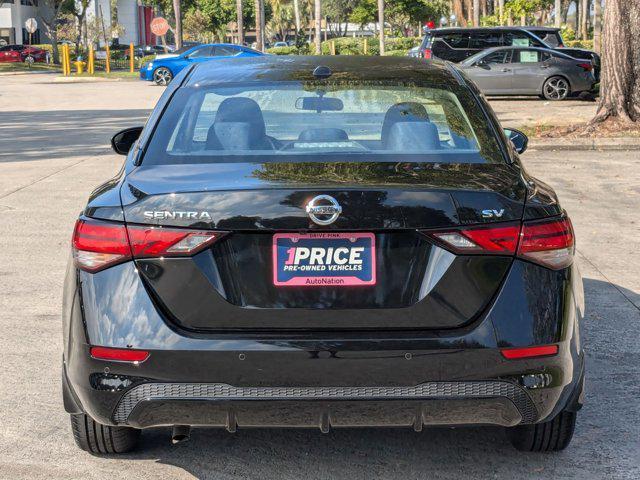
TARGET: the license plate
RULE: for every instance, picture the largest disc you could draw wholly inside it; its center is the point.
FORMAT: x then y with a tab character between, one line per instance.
324	259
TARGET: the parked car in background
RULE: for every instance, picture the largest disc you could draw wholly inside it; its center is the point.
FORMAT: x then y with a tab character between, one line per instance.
140	51
8	54
553	38
162	70
23	53
280	44
174	52
457	44
529	71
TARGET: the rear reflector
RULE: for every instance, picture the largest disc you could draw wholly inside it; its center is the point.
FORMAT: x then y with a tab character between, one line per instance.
98	244
426	53
119	354
586	66
548	242
529	352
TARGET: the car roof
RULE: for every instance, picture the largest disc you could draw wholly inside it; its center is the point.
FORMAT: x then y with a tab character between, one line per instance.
274	68
477	29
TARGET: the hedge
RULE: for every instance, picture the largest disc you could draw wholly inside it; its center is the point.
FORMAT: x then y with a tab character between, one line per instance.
588	44
304	50
145	59
355	46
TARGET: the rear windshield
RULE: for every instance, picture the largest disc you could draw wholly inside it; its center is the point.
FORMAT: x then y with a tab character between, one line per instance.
280	122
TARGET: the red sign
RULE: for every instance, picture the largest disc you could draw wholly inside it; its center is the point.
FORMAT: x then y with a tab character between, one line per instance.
159	26
430	25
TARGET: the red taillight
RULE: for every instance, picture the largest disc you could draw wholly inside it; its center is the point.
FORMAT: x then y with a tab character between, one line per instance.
119	354
586	66
549	242
98	244
426	53
529	352
159	242
501	239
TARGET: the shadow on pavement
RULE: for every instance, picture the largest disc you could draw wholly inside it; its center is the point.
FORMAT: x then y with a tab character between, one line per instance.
606	435
26	136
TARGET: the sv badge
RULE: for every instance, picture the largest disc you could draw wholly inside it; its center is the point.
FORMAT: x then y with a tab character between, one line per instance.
492	213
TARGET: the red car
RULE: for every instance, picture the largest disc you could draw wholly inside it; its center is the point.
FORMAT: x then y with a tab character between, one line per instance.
22	53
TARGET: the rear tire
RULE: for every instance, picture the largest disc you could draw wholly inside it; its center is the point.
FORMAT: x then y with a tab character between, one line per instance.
556	88
551	436
94	437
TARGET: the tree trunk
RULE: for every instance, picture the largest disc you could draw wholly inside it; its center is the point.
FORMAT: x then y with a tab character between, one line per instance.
240	22
577	20
458	11
620	84
476	13
468	10
381	21
259	34
584	17
597	25
557	12
318	23
501	11
178	31
296	12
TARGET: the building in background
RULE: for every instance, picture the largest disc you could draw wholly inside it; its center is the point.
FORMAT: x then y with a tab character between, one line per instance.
13	14
134	16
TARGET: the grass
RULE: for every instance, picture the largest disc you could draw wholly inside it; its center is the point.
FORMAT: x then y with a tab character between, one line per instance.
22	67
121	74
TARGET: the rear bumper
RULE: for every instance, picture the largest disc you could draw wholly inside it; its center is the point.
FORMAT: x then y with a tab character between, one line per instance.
402	378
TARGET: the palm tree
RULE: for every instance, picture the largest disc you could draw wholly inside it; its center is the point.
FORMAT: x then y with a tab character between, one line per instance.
240	22
178	15
296	11
318	20
381	21
259	24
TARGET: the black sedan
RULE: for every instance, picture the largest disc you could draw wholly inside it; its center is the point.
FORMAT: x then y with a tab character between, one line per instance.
322	242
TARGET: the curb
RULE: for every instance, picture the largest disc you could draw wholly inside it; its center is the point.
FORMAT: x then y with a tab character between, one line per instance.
34	72
585	144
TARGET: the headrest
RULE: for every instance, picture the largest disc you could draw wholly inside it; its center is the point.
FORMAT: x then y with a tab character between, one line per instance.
412	137
241	109
235	135
403	112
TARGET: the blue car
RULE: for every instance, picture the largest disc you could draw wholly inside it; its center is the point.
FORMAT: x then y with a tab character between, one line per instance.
162	71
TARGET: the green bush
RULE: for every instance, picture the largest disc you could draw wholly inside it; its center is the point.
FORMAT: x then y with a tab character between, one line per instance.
302	50
588	44
396	53
145	59
355	46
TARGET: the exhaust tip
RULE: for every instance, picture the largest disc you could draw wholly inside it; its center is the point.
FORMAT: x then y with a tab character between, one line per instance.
180	434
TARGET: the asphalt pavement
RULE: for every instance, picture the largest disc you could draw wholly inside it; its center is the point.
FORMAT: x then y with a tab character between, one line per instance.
54	150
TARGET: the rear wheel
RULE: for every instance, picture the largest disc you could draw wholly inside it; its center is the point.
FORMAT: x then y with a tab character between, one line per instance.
29	60
94	437
162	76
551	436
555	88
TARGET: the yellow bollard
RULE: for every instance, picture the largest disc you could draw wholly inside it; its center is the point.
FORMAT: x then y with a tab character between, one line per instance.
131	60
366	46
91	66
63	63
107	65
65	60
333	47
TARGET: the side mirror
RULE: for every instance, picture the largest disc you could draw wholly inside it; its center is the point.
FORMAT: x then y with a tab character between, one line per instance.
518	139
122	141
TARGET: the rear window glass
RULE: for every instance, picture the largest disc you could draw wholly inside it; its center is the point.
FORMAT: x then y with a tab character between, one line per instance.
282	122
456	40
485	40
